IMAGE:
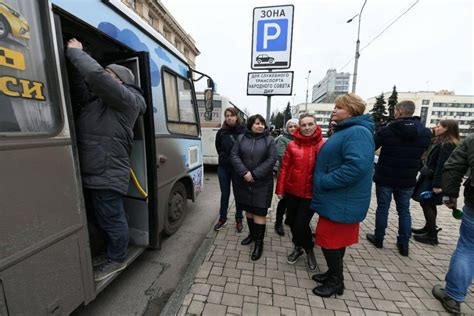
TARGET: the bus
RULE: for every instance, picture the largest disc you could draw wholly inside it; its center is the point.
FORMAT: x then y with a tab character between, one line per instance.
210	125
47	244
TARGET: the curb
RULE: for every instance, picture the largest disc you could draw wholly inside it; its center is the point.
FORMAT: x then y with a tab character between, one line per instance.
176	299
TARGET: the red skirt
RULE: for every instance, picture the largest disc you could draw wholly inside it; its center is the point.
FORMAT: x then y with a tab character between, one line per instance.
332	235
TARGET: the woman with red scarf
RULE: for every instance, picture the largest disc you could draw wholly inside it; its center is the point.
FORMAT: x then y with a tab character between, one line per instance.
295	182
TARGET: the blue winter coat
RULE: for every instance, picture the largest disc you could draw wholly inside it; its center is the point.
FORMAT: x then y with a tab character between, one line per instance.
343	175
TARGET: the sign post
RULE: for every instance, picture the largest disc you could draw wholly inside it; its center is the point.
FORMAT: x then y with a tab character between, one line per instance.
272	36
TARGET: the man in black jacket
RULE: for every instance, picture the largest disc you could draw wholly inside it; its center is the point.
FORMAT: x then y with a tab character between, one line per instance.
110	106
402	143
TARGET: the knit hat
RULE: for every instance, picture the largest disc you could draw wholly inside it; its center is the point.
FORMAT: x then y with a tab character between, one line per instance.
124	74
290	121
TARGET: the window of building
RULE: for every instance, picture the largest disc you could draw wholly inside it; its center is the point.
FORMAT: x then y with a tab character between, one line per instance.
180	109
423	114
29	92
425	102
131	3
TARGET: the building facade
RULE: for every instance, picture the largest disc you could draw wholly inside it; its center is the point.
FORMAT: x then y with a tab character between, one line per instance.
161	20
331	86
321	111
432	107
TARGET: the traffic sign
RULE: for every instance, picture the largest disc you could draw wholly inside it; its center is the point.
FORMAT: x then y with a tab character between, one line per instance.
272	35
270	83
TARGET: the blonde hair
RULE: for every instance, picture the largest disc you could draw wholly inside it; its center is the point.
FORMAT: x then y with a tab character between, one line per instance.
352	102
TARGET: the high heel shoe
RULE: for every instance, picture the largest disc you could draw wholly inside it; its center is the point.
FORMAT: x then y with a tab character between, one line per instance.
320	277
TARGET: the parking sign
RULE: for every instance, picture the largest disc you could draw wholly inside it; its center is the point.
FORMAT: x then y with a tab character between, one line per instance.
272	35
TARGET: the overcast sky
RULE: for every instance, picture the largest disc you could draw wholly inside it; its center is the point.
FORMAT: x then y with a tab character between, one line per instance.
429	48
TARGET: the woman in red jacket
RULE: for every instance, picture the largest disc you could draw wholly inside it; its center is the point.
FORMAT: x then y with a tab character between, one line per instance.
296	183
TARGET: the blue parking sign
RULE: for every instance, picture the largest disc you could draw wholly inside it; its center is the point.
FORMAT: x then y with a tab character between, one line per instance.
272	37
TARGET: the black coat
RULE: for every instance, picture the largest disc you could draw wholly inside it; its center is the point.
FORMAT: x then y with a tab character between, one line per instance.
255	153
108	113
431	175
225	139
403	142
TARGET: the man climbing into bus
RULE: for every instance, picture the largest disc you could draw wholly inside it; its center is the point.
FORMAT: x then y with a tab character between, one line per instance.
109	107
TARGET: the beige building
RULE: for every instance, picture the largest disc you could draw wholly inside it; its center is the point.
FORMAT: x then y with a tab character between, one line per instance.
322	112
432	107
161	20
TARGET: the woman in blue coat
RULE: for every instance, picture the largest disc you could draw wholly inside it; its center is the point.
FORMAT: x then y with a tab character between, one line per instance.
342	188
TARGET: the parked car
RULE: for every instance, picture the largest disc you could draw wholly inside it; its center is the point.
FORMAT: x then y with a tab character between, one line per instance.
265	59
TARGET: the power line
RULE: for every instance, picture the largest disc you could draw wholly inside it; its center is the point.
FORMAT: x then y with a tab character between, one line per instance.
383	31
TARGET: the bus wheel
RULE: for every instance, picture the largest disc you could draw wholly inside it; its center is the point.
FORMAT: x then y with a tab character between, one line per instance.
176	209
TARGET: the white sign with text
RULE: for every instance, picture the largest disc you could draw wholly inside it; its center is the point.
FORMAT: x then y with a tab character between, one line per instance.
270	83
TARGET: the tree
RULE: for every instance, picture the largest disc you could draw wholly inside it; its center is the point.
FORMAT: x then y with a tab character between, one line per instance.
392	100
278	122
379	112
287	113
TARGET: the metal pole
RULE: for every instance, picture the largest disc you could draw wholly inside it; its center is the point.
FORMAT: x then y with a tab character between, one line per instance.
269	105
356	63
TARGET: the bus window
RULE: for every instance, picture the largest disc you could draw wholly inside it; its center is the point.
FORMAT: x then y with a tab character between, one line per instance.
28	104
181	113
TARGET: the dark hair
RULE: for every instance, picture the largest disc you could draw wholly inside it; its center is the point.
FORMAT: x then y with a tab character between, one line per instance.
251	120
234	112
452	134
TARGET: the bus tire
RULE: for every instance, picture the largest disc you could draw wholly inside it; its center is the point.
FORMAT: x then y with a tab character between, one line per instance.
176	210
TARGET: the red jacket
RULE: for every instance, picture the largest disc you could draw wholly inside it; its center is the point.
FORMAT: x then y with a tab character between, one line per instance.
297	168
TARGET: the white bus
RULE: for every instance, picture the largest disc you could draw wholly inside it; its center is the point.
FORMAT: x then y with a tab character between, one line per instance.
210	125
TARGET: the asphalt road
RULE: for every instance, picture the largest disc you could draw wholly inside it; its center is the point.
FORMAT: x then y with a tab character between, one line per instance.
146	285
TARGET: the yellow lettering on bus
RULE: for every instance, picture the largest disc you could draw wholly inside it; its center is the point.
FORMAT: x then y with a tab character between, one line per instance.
4	86
36	88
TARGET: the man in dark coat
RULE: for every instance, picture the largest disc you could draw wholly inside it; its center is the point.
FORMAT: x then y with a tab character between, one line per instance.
461	269
402	143
109	107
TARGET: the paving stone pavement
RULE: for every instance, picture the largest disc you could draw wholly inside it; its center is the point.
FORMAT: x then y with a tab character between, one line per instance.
377	281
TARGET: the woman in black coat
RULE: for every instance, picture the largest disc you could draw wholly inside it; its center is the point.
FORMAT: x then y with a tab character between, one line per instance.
430	179
253	157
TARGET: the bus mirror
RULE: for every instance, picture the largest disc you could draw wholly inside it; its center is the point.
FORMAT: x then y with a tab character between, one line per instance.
208	105
210	84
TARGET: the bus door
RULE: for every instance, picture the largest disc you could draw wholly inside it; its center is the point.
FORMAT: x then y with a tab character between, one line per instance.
140	201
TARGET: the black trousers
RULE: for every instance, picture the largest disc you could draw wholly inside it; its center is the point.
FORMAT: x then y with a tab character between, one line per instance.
430	211
335	261
299	216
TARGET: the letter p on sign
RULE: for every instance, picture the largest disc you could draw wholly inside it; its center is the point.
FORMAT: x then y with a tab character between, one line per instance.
272	35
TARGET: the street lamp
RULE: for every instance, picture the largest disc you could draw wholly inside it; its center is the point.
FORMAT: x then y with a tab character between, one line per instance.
354	76
307	83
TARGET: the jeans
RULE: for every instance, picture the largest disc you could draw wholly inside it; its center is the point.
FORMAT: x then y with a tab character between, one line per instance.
402	200
299	216
109	215
461	269
225	179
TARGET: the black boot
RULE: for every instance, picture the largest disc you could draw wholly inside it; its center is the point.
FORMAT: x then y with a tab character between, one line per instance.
279	217
321	277
430	237
248	240
332	286
418	231
259	236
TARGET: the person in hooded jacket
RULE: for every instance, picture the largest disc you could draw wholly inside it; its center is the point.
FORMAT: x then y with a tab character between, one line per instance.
253	157
402	144
342	188
110	105
281	144
430	179
225	139
295	183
